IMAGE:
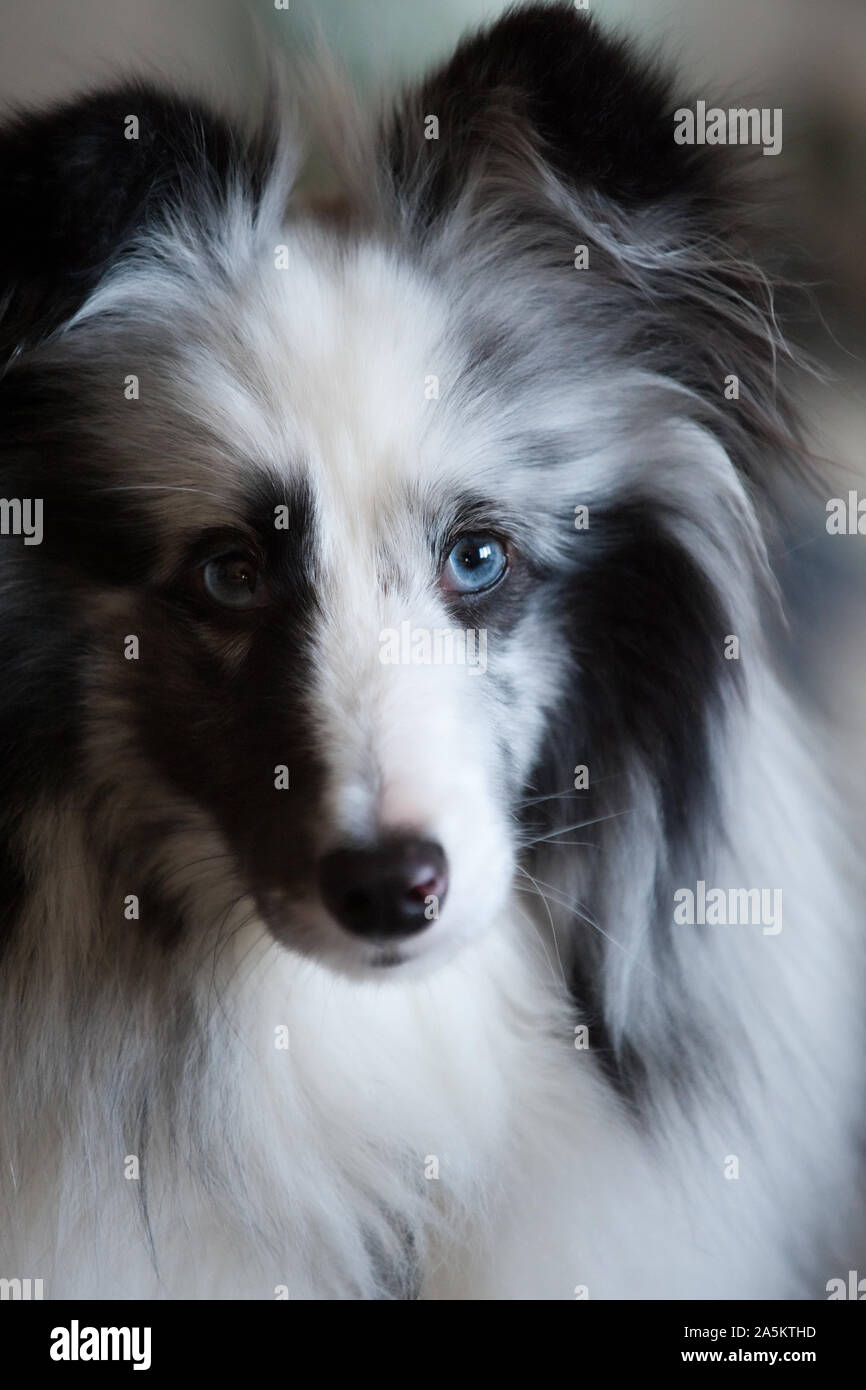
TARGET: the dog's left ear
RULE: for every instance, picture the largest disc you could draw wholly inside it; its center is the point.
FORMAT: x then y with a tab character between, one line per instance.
83	180
543	79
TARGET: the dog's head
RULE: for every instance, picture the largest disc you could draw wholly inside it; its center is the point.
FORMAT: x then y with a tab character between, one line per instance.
362	534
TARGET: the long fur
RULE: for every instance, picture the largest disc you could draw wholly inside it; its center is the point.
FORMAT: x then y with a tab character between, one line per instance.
434	1129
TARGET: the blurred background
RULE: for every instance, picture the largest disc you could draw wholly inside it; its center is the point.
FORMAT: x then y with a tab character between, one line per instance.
806	57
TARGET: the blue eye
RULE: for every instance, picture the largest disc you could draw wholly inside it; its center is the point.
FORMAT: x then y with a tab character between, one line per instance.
474	564
233	581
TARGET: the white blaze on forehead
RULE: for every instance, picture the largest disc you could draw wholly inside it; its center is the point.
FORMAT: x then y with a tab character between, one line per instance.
350	340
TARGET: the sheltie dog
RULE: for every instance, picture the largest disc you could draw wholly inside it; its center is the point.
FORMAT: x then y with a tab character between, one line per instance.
420	878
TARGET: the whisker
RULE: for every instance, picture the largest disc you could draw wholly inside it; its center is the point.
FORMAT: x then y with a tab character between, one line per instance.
528	875
586	844
561	901
581	825
536	934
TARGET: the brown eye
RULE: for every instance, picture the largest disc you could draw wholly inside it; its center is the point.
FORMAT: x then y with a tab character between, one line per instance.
234	581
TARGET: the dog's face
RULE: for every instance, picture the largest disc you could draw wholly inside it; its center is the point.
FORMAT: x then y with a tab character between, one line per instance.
357	542
341	657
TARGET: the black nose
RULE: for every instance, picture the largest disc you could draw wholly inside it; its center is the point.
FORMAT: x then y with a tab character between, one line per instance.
393	889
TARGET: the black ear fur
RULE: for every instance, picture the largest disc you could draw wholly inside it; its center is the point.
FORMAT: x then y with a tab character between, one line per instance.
76	191
602	116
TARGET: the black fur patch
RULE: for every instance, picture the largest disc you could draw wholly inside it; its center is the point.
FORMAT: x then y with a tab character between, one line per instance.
41	650
13	885
94	530
218	728
644	633
647	633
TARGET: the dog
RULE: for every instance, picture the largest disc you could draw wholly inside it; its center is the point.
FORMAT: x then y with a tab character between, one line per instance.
421	878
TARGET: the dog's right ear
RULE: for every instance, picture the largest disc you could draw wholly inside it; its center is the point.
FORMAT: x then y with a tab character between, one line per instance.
82	180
